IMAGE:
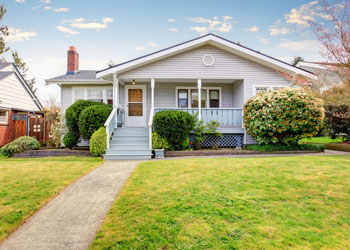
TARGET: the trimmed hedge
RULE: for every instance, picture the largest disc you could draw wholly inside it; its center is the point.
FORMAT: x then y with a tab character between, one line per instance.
92	118
73	113
70	140
98	142
283	117
281	147
174	126
19	145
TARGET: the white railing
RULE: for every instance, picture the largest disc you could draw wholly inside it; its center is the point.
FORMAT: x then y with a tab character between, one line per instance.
227	117
150	125
111	123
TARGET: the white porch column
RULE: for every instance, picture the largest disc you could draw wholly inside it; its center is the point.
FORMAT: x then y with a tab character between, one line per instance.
199	84
115	91
152	88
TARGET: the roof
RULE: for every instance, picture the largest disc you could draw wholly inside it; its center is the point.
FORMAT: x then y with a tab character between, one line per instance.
206	39
4	64
4	74
82	75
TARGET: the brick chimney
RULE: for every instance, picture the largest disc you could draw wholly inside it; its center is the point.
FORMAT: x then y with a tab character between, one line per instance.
72	61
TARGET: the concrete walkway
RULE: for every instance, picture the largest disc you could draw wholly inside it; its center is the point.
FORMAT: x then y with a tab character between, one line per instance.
71	220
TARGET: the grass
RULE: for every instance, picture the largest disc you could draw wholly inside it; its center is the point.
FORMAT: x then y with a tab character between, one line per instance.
232	203
323	139
279	147
28	184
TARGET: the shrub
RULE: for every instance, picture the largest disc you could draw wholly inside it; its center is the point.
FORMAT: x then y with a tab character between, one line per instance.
98	142
73	113
201	130
159	142
338	121
283	117
174	126
281	147
70	140
93	118
20	144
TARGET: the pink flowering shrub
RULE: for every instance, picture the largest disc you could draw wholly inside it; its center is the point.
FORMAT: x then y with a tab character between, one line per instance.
283	117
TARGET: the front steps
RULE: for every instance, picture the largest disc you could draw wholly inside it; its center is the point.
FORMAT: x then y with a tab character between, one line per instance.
129	144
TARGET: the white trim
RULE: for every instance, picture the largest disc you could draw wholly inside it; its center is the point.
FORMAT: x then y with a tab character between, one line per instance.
311	65
270	87
104	92
144	102
188	88
212	40
7	117
212	60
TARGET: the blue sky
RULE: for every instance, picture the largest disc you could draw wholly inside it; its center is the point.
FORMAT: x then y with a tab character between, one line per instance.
42	30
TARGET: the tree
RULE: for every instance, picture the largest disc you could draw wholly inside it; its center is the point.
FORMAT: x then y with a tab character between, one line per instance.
3	31
110	63
21	66
334	34
296	60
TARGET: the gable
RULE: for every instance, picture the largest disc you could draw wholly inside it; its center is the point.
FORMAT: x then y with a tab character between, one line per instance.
189	65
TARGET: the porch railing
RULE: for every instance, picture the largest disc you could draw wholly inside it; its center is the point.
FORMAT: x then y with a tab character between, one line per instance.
114	118
227	117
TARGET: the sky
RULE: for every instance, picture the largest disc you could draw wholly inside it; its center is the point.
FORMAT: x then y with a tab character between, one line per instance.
112	30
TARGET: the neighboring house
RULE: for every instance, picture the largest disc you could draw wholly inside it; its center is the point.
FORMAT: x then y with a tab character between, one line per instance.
17	100
220	73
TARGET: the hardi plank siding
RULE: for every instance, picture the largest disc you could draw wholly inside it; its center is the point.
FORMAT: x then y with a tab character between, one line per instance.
238	94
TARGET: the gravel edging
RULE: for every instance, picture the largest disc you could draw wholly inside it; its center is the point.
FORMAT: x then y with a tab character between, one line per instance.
233	152
50	152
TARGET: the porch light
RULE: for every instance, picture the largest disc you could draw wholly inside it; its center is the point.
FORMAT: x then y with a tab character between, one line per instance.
133	82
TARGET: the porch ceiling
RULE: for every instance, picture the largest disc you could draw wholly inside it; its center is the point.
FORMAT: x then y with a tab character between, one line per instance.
164	80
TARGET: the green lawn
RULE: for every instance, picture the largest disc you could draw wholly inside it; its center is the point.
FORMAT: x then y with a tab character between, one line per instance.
232	203
324	139
28	184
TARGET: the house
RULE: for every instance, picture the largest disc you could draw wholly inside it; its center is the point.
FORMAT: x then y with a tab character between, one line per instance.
220	73
17	101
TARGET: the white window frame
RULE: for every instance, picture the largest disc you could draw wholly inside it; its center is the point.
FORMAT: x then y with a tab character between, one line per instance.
189	96
104	92
7	117
269	87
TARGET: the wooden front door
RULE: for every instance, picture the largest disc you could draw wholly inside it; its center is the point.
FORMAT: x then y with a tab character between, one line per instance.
135	106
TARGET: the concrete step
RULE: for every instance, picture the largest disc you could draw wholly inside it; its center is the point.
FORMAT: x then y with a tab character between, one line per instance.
126	157
131	137
129	129
130	133
128	152
144	146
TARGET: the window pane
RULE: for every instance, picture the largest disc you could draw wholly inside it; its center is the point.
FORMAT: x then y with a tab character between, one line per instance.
277	88
194	98
204	98
260	89
135	95
182	98
135	109
3	116
109	101
78	94
95	95
109	94
214	101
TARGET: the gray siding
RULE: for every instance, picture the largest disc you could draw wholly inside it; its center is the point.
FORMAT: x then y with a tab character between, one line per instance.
238	94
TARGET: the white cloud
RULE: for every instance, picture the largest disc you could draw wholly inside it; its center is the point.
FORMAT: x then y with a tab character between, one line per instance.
212	24
47	8
20	1
81	24
67	30
263	40
304	45
17	35
171	20
152	44
139	47
303	15
45	1
173	30
61	9
277	29
253	29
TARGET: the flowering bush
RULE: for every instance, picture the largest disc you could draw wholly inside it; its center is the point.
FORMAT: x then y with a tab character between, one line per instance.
283	117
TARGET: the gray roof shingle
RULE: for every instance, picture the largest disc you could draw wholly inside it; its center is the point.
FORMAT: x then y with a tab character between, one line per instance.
81	75
4	64
3	74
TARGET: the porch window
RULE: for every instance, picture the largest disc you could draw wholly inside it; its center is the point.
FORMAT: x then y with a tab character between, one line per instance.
3	116
109	96
183	98
214	99
95	95
194	98
78	94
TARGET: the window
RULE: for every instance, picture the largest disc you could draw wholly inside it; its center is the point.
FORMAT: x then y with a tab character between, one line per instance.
78	94
194	98
95	95
259	89
214	100
3	116
183	98
109	96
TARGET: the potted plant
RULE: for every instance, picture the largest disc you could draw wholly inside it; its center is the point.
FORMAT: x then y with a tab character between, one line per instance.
159	145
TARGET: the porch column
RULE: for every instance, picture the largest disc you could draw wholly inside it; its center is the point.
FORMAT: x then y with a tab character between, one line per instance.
115	91
152	91
199	84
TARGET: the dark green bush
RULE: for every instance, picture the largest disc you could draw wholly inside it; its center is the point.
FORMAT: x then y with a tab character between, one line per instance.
98	142
159	142
338	121
70	140
174	126
282	147
93	118
73	113
20	144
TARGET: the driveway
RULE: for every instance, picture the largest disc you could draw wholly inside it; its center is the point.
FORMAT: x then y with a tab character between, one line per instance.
71	219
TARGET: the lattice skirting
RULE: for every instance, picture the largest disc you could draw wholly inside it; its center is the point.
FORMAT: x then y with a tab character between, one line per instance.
226	141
